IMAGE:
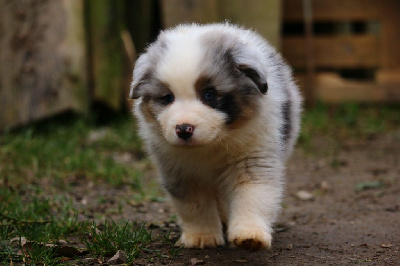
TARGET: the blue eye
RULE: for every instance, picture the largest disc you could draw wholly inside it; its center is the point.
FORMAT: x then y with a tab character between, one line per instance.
167	99
209	94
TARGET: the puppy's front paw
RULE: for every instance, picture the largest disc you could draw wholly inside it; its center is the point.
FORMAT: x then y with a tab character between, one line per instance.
201	240
250	238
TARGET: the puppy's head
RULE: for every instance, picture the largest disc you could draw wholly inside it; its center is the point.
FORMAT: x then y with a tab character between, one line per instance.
196	83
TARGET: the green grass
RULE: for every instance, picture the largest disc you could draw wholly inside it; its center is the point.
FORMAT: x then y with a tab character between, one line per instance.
135	240
347	121
57	149
43	220
110	237
35	218
35	164
336	126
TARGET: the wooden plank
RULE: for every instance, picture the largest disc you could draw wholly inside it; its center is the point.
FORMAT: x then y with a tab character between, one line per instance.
42	50
346	51
262	16
390	52
331	88
391	76
107	57
187	11
75	50
334	10
141	22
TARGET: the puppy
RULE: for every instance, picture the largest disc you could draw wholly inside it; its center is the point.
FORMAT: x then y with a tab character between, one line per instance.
219	113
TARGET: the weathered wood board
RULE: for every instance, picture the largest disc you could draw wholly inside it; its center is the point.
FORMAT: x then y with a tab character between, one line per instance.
331	88
346	51
374	49
262	16
43	60
334	10
175	12
106	52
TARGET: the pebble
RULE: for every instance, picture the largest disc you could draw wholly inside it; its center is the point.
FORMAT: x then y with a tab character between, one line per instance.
195	261
304	195
241	261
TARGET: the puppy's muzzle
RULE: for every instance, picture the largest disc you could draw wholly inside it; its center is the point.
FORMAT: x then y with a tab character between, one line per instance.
184	131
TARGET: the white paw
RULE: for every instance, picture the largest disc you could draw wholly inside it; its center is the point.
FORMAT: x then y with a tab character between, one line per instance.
201	240
250	238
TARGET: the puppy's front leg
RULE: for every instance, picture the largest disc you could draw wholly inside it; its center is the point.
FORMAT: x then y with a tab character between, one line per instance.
254	207
200	222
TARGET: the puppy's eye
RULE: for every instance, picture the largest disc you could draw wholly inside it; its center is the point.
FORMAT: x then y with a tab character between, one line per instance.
209	94
166	99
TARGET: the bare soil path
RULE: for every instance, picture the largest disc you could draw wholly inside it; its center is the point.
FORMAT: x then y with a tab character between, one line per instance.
340	208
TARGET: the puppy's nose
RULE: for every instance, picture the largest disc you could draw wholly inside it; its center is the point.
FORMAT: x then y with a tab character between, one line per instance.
184	131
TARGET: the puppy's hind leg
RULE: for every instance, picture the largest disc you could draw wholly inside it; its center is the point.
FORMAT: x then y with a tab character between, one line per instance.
200	222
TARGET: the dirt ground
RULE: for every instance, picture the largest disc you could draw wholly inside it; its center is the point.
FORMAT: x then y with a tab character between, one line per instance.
349	213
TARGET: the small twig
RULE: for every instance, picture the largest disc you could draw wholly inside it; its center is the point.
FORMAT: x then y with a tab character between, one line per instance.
17	221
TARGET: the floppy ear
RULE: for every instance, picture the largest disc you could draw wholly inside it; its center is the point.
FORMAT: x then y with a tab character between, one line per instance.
252	74
140	74
136	92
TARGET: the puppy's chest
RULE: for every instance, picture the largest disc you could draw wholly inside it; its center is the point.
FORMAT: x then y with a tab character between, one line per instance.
206	165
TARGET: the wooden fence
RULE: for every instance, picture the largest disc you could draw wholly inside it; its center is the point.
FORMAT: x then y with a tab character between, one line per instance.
69	54
356	55
60	55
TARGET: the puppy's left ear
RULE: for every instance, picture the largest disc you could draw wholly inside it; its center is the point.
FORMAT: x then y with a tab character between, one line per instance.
252	74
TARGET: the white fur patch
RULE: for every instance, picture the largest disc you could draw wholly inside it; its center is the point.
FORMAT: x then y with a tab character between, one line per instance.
207	123
180	64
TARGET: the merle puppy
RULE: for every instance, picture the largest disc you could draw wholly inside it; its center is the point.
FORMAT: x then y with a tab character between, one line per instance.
219	113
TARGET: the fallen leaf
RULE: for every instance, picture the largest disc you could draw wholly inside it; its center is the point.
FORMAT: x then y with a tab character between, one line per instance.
195	261
368	185
118	258
67	251
18	239
281	227
28	246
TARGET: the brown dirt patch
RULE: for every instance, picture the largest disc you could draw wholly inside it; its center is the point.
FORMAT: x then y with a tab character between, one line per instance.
338	226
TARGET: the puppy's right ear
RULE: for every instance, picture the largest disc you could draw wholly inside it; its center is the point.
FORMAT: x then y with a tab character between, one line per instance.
136	92
133	94
140	75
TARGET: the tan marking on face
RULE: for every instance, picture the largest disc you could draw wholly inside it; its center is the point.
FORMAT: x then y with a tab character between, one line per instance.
247	112
201	83
147	109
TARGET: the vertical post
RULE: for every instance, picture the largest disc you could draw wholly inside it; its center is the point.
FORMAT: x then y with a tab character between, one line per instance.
310	66
106	51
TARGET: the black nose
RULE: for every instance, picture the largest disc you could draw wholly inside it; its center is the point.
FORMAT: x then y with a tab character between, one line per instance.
184	131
